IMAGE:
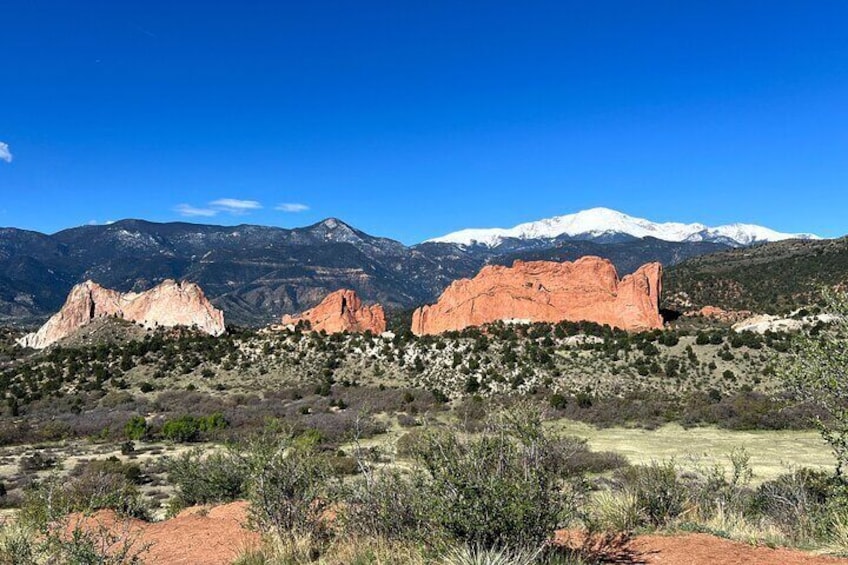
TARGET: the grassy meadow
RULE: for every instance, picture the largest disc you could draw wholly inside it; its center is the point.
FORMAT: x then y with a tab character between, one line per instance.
773	452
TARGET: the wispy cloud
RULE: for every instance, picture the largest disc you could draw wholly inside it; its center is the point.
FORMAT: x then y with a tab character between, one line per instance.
291	207
5	153
189	211
234	205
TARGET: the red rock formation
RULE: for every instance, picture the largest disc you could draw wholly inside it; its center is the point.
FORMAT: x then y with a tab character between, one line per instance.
342	311
169	304
545	291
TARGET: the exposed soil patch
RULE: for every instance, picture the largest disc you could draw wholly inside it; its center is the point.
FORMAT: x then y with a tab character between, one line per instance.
698	549
218	535
212	536
706	549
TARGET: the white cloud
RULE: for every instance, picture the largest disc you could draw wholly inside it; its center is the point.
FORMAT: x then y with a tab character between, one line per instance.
190	211
5	154
234	205
291	207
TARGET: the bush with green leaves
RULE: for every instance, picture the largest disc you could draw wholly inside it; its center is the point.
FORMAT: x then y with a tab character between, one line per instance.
715	491
288	483
818	371
68	542
205	478
800	502
92	488
136	428
387	504
505	486
18	544
84	546
186	429
657	491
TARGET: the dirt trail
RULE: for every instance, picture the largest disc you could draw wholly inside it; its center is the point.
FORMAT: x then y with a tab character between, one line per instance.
696	549
217	536
706	549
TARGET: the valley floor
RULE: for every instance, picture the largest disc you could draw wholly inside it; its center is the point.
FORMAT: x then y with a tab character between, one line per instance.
773	452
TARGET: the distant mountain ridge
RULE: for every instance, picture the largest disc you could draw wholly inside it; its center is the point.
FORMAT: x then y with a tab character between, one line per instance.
773	278
255	274
608	225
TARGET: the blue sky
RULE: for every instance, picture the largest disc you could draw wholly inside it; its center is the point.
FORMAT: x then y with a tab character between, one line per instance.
416	118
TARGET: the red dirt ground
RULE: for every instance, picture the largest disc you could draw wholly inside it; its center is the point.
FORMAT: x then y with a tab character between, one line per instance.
707	549
199	535
217	536
694	549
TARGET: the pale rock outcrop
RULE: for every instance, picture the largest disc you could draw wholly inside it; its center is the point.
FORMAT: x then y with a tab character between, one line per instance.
341	311
171	303
762	323
719	314
544	291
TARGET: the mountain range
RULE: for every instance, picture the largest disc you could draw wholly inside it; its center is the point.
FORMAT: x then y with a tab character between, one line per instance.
606	225
258	273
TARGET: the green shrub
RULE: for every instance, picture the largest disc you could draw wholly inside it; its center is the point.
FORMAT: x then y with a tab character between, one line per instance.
503	488
114	466
88	490
717	495
287	484
183	429
387	505
343	464
659	495
795	500
36	462
408	444
186	429
817	369
558	401
219	476
136	428
85	546
65	542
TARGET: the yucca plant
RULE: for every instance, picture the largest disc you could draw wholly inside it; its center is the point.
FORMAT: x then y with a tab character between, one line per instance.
479	555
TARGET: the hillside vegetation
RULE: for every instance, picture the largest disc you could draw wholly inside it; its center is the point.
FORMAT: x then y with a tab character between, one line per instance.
581	371
774	278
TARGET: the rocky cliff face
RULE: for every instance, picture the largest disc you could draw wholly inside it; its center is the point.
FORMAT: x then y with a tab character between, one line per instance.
543	291
342	311
169	304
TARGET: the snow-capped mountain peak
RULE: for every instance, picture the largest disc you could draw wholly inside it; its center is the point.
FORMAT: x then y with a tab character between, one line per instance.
598	222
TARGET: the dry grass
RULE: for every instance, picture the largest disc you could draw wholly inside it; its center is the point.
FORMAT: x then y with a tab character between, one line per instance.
838	543
747	530
772	452
342	551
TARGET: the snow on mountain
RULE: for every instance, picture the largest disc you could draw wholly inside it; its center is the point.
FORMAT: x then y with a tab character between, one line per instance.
598	222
